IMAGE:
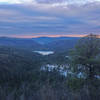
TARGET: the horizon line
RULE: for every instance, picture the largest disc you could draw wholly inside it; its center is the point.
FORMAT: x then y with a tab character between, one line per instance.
30	36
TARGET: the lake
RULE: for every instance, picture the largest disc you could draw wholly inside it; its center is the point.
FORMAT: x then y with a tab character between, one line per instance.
44	53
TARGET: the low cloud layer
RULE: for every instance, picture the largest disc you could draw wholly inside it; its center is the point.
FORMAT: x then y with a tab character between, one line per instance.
48	1
49	17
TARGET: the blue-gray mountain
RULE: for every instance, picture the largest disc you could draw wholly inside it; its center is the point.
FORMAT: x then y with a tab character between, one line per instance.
41	43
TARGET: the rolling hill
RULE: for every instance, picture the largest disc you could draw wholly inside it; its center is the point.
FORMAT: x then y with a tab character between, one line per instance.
20	43
40	43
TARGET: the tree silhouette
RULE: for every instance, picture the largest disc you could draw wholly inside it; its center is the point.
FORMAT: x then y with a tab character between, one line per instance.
85	58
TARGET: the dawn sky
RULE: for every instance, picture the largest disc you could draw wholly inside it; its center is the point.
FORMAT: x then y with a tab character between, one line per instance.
29	18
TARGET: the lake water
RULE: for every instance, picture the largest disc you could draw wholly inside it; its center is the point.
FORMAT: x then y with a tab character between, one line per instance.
44	53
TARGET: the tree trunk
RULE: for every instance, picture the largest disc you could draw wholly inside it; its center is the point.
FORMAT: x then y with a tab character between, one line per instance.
91	73
91	82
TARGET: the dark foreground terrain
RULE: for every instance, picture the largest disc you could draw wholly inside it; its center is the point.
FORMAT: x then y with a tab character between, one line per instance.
21	77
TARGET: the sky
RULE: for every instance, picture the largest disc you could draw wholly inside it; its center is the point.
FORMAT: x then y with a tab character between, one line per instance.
33	18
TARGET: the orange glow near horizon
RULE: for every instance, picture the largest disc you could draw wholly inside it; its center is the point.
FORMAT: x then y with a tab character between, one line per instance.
30	36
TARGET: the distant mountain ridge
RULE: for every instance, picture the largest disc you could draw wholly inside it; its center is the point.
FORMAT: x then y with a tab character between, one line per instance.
46	40
40	43
19	43
62	44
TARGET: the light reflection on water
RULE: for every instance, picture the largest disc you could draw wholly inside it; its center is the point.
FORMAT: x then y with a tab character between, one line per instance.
44	53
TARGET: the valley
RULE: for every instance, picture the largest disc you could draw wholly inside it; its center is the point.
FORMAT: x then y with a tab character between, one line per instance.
30	67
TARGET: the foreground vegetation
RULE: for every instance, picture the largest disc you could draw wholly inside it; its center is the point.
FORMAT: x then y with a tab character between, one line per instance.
21	77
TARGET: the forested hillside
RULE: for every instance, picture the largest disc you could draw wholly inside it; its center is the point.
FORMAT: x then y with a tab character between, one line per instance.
41	43
25	75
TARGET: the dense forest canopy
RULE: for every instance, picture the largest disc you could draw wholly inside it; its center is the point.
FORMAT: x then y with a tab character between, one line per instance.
21	76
